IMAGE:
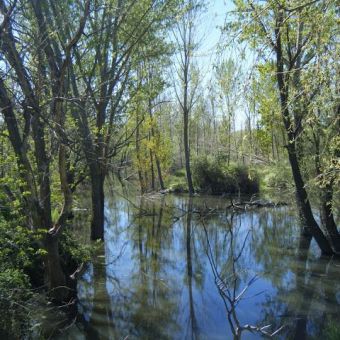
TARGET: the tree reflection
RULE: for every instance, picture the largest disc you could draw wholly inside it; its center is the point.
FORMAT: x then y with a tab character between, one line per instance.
177	269
227	284
307	301
98	322
153	314
192	320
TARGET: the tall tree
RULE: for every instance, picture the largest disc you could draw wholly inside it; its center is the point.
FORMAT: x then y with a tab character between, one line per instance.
228	75
290	30
36	73
184	35
118	29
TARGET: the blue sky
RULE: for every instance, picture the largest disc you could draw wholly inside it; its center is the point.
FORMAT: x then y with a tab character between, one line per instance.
209	32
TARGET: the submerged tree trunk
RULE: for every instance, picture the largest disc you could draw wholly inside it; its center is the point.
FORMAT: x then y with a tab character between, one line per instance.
304	207
327	217
97	196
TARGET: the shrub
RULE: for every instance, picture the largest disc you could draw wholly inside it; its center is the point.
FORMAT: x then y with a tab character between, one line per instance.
278	177
14	294
21	269
72	252
332	330
210	177
178	184
247	179
180	173
213	176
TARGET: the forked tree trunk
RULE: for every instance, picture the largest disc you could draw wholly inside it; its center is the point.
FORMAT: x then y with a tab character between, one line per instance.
304	207
327	217
38	204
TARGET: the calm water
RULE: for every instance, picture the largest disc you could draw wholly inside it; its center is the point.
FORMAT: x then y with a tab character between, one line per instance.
180	268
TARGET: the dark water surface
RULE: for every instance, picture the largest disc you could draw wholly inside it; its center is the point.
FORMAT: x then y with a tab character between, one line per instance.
180	268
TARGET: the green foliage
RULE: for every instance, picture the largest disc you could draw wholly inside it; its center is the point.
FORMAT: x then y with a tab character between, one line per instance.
209	176
278	176
247	178
73	253
19	246
177	183
14	293
332	330
179	173
213	176
19	257
21	270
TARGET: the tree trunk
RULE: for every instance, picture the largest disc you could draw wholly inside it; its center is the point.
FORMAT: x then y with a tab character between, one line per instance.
55	274
159	171
187	153
97	175
97	196
229	140
38	204
152	171
180	153
327	217
139	161
304	207
197	140
158	163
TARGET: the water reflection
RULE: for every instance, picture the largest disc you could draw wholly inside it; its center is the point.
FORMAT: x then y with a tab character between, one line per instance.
227	281
172	268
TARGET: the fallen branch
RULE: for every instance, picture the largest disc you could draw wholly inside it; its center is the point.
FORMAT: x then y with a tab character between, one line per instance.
246	205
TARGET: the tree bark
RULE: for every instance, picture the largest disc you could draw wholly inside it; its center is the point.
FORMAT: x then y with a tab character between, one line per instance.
55	274
159	172
97	197
327	217
304	207
97	176
139	161
152	171
187	152
158	163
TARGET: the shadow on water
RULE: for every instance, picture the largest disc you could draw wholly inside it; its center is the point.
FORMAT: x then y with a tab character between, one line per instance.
172	269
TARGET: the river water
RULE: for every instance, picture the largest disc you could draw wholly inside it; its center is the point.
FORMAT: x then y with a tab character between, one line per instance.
179	268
